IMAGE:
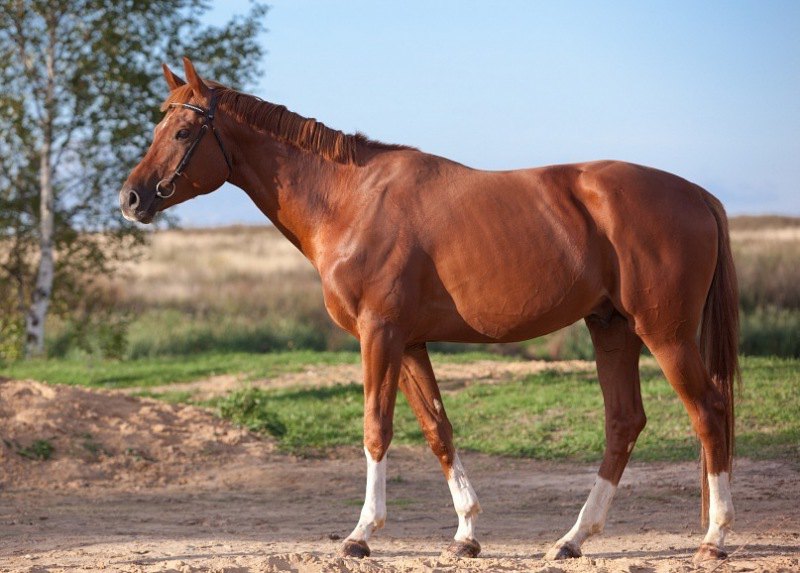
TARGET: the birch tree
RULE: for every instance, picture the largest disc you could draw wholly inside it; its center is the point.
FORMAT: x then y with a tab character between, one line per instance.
80	85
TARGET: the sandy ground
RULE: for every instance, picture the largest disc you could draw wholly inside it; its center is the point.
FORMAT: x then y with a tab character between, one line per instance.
141	486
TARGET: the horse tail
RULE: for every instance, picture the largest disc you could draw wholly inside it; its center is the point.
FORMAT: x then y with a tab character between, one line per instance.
719	336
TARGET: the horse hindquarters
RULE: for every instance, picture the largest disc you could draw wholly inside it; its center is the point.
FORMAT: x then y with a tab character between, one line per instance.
704	377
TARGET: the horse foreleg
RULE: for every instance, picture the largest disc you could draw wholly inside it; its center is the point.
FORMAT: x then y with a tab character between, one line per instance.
418	383
373	513
617	350
381	353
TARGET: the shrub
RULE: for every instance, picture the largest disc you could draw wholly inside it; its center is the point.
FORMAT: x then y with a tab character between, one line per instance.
251	408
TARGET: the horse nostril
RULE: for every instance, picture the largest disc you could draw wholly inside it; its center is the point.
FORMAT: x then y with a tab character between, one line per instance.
133	200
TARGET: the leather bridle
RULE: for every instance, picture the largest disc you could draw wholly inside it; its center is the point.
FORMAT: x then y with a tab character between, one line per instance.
166	187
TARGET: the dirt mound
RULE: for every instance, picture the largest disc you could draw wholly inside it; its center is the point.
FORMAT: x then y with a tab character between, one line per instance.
105	437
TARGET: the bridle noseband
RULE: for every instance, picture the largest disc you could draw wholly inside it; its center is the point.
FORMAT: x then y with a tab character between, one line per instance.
166	187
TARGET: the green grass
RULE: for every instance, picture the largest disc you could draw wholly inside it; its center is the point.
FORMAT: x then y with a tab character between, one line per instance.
157	371
147	372
546	416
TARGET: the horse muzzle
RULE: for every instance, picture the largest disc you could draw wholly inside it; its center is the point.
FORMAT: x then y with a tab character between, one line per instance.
130	203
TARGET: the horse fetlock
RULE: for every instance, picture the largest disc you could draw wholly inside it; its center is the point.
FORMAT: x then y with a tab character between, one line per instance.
466	527
466	503
596	528
725	516
373	519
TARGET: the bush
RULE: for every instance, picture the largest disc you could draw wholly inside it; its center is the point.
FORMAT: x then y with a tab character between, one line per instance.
251	408
173	333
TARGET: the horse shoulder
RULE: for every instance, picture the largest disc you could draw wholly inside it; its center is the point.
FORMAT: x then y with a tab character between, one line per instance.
367	273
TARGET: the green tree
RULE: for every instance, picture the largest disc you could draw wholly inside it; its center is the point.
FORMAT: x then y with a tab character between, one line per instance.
81	83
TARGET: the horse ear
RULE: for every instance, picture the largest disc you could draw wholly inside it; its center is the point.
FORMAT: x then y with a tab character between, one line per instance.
198	85
173	81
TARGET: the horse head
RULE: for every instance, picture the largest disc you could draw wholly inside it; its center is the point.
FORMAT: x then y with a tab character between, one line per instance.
187	157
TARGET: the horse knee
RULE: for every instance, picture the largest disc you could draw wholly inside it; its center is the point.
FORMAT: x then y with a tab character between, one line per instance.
377	440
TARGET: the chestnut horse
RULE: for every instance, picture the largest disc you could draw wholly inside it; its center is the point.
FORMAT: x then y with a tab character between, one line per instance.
413	248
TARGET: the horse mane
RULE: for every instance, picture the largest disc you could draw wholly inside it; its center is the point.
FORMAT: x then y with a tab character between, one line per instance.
288	126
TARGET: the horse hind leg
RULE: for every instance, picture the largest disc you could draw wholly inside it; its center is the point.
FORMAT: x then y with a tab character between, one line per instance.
419	385
706	405
617	351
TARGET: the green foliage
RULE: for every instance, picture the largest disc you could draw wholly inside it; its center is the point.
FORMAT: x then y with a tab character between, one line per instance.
12	332
253	410
173	333
93	330
81	87
147	372
550	415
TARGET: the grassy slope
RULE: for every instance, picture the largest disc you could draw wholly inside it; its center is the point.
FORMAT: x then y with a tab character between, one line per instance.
169	369
550	415
156	371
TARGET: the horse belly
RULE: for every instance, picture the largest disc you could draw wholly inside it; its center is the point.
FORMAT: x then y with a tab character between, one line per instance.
506	305
517	275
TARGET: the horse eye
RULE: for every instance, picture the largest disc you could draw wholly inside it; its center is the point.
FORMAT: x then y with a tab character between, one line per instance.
182	134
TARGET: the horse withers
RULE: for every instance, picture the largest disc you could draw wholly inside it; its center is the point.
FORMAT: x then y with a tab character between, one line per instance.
413	248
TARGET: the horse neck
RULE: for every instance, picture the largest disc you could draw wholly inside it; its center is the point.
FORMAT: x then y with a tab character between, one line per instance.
299	191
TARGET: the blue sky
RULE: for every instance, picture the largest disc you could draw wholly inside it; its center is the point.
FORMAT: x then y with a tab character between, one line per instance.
707	90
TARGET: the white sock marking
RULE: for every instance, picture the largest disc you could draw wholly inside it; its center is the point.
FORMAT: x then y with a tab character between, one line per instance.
720	509
373	514
592	517
464	500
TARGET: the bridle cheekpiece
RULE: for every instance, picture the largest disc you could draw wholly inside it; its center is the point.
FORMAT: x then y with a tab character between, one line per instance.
166	187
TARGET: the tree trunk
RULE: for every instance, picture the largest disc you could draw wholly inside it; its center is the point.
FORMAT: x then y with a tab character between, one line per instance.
40	298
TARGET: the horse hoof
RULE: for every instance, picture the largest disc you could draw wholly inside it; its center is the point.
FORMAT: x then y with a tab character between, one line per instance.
561	552
709	551
353	548
469	548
